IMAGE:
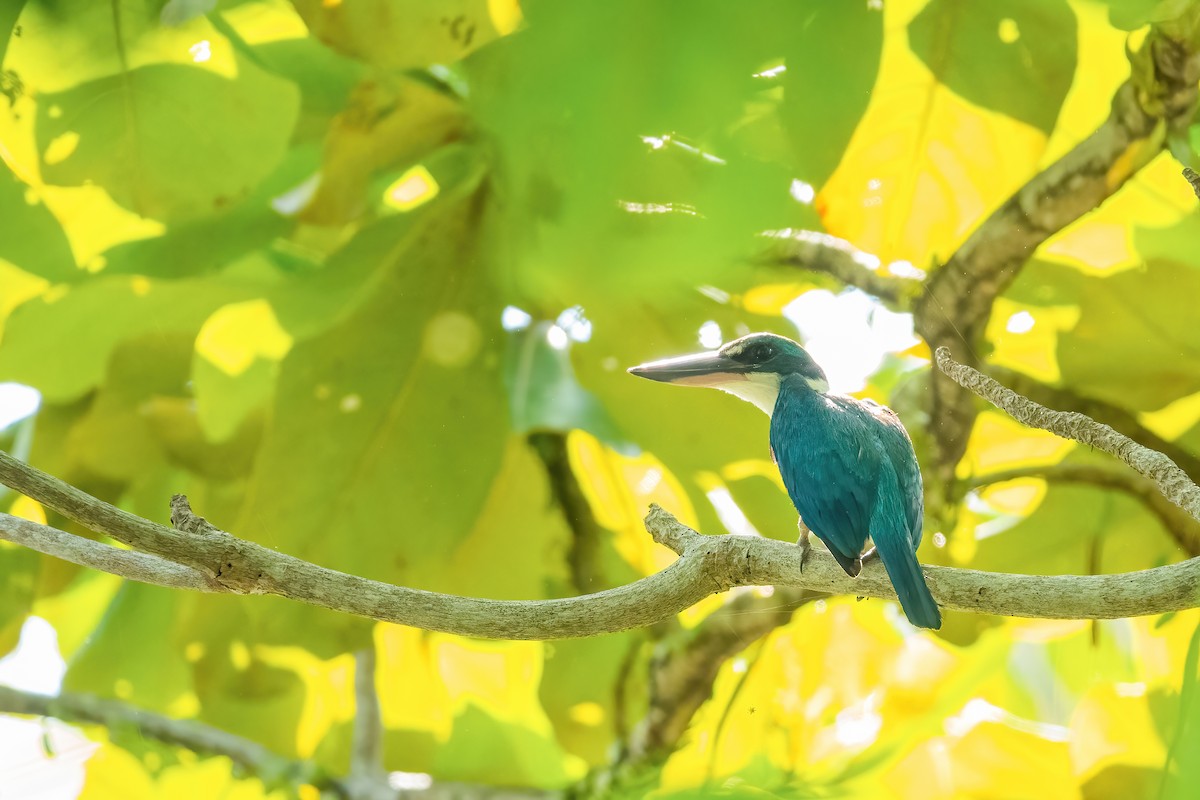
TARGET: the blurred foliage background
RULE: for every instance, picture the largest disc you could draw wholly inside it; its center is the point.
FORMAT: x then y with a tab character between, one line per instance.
361	277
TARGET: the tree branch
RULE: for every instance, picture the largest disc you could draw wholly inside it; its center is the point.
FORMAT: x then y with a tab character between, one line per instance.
129	564
257	760
1117	418
706	565
683	672
190	734
1193	179
368	780
1181	526
829	255
960	295
1172	482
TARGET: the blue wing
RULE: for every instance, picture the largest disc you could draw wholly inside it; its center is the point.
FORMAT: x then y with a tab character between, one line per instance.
899	449
829	456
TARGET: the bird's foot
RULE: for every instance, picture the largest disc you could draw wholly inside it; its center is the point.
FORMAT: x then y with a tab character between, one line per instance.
870	555
805	546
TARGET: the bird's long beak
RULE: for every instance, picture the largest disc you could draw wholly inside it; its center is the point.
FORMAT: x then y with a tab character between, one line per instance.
701	369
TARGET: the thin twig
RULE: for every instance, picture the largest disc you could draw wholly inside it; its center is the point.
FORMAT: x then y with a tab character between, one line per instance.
129	564
819	252
1193	179
1172	482
190	734
1117	418
1182	528
367	779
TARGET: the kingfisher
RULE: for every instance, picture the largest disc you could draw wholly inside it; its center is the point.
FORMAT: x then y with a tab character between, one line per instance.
848	465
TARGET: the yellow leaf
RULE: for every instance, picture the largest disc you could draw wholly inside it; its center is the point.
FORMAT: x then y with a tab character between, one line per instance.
238	334
386	123
415	698
1112	725
401	34
1025	338
770	299
999	442
329	691
924	165
620	489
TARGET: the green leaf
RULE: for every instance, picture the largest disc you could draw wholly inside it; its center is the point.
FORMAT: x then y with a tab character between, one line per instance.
543	391
90	319
484	748
133	653
37	243
381	419
628	161
1012	56
169	141
820	114
1135	345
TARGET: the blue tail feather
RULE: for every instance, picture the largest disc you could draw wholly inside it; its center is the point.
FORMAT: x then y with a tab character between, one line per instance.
898	551
900	560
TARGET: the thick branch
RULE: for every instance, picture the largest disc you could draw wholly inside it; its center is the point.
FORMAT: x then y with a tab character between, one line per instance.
1177	522
190	734
960	295
1171	481
829	255
706	565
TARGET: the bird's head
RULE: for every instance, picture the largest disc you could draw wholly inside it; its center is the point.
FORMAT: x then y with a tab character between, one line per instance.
751	367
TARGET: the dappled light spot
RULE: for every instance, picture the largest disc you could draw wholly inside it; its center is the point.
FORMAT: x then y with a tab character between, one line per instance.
297	198
802	192
1009	31
683	209
710	335
414	188
54	111
939	539
505	15
237	335
239	655
17	401
1020	322
406	781
61	147
773	72
193	651
350	403
905	269
514	319
557	338
201	51
587	713
123	688
451	339
573	322
140	286
322	391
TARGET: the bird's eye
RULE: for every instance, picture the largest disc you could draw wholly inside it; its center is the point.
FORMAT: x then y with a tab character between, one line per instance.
764	352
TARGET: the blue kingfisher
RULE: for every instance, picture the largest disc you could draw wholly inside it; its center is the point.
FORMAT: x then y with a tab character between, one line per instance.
848	464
